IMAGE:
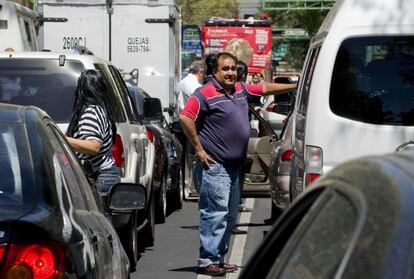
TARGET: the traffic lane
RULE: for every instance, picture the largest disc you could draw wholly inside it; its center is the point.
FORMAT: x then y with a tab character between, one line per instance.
176	243
175	251
256	224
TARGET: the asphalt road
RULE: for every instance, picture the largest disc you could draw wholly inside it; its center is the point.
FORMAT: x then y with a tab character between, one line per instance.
175	252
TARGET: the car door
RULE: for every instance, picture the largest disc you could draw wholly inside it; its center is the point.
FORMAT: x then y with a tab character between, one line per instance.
261	143
88	213
309	240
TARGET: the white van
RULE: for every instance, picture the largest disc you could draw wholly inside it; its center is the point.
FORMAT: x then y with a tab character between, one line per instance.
17	27
356	94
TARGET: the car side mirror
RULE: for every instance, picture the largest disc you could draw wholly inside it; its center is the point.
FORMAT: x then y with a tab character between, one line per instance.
153	109
127	197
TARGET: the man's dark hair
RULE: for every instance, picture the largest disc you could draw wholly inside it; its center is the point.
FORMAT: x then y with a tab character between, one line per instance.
224	55
242	70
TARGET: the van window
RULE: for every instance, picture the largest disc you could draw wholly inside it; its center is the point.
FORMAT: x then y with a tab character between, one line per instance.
115	100
373	80
123	91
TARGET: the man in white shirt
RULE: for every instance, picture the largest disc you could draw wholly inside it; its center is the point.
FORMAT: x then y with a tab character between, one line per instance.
190	83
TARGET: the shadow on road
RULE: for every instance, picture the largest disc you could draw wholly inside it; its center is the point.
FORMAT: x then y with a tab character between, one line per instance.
195	228
186	269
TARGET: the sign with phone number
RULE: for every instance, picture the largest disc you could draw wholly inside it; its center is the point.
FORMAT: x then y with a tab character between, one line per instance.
138	45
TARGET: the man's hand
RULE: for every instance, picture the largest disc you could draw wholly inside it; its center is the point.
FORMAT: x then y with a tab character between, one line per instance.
205	159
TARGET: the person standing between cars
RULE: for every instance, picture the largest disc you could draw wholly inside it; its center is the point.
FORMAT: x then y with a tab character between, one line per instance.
190	83
92	130
216	122
242	71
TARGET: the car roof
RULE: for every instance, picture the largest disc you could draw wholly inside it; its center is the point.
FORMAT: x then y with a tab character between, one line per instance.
85	58
347	14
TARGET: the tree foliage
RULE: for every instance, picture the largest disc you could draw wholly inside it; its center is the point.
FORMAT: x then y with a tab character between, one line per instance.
196	11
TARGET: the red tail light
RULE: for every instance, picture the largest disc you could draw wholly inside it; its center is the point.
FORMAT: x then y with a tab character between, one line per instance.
150	135
310	177
34	261
118	151
286	156
271	107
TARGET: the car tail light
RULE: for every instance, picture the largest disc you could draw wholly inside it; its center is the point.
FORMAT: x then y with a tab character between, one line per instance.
310	177
118	151
150	135
313	163
271	107
34	261
286	155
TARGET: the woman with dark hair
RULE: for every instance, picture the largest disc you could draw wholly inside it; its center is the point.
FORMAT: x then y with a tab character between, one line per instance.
210	60
242	71
92	129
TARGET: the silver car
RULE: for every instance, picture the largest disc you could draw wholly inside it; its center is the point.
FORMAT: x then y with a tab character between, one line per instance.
279	170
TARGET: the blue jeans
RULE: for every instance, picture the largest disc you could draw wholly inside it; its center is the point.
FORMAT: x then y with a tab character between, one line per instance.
218	203
104	182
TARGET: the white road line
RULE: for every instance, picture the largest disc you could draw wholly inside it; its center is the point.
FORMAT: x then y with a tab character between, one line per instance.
239	242
237	250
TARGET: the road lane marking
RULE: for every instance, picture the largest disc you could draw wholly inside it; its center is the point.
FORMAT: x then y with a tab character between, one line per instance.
237	250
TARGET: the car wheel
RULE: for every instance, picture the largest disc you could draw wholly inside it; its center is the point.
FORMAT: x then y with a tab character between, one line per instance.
178	195
161	209
148	232
129	240
188	183
276	211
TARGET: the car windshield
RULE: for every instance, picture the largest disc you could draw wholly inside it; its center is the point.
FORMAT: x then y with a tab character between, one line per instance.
42	83
373	80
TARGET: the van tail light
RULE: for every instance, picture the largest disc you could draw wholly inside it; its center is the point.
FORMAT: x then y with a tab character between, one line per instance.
150	135
286	155
33	261
118	151
271	107
313	164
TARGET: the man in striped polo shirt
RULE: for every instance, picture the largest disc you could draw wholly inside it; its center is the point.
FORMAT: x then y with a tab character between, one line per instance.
216	122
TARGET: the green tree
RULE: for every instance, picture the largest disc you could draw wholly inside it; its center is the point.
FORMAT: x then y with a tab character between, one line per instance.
196	11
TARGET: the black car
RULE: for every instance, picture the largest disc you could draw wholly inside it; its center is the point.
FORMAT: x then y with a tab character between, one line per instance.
355	222
167	175
52	223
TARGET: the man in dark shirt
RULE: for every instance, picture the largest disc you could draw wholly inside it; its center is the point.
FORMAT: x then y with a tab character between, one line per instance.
216	122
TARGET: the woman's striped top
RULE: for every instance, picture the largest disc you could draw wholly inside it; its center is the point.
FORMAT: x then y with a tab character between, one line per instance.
94	124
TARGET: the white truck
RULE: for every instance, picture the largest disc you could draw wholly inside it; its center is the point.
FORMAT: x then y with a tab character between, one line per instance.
17	27
140	37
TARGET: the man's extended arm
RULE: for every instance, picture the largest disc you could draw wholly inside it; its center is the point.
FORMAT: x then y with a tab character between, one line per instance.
190	131
271	88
